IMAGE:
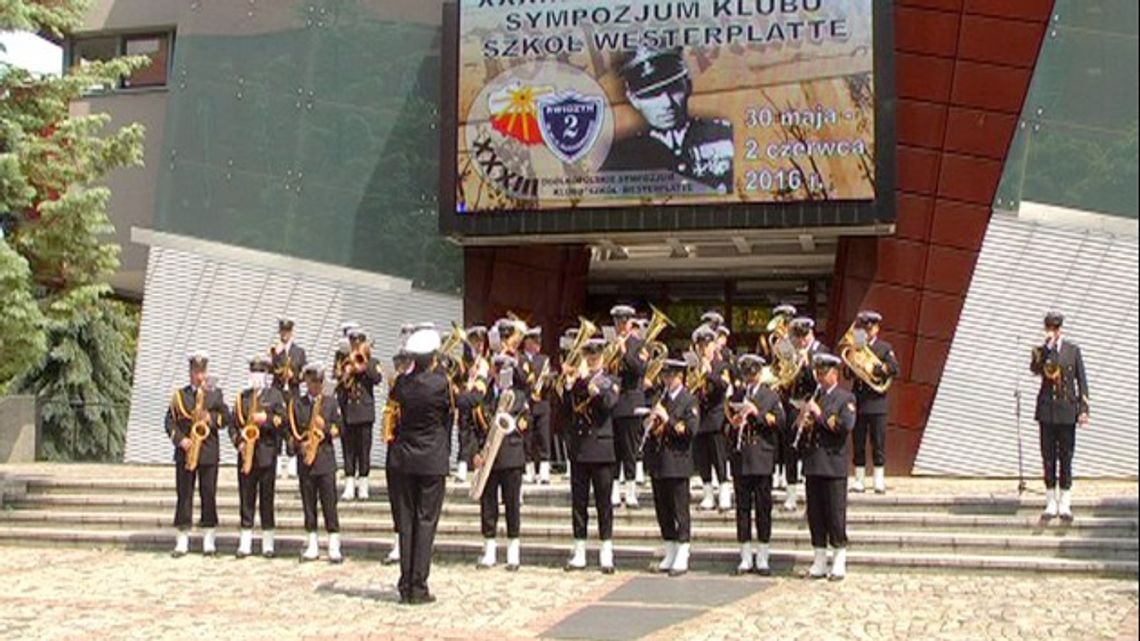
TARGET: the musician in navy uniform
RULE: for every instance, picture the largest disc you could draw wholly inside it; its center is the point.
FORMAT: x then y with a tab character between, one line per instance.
782	316
1062	404
710	454
198	403
658	85
872	406
506	473
261	409
470	397
590	397
757	418
288	360
630	374
673	421
356	393
538	436
401	363
802	331
317	412
418	457
825	443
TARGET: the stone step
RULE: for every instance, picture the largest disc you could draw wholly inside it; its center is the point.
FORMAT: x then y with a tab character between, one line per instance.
559	495
468	528
464	508
635	558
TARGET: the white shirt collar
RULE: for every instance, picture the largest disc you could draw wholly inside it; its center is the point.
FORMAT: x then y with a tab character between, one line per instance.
673	139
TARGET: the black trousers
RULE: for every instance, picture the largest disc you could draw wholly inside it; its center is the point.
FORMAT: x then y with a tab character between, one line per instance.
790	456
357	444
710	452
601	477
1057	444
827	511
753	496
627	434
671	501
537	438
320	487
874	425
393	479
258	485
207	478
510	481
468	443
418	503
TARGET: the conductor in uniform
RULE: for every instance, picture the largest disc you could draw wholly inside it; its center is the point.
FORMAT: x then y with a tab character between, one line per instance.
418	457
701	150
872	406
1062	404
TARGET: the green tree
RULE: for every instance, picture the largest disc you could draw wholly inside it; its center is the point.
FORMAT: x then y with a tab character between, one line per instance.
55	260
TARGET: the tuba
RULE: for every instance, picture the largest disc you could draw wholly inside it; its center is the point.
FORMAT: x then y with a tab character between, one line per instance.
858	356
249	432
658	354
451	352
502	424
787	362
586	331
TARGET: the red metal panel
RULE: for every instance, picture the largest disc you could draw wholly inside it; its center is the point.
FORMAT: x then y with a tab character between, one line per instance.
926	31
929	359
914	216
979	133
999	40
920	123
959	224
939	315
923	77
987	86
944	5
917	170
949	270
969	179
1034	10
901	262
899	304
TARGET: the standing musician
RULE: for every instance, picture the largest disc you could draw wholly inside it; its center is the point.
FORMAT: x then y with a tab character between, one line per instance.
418	457
630	372
709	449
506	473
288	359
671	424
258	416
361	374
782	316
802	330
538	436
195	415
401	363
755	422
1062	404
469	399
829	417
590	397
872	406
314	421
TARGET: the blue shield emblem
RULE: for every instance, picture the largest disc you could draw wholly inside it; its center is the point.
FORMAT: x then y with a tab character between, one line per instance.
570	123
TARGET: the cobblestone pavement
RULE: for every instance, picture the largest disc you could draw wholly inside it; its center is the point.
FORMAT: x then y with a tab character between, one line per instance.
91	594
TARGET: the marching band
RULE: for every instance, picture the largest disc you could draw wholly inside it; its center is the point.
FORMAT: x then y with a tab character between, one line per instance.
624	405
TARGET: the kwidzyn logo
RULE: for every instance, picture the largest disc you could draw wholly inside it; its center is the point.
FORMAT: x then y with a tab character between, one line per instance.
570	123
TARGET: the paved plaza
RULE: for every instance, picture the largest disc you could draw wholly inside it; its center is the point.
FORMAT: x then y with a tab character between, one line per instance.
94	594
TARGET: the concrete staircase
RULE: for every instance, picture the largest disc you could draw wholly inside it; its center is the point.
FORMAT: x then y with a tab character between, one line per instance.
977	532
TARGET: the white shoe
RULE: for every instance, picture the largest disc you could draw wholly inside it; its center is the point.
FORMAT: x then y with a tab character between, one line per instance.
724	502
461	472
708	502
349	490
745	558
528	473
334	548
615	494
577	559
779	481
670	556
790	502
181	544
544	472
839	565
362	488
1051	508
639	473
880	481
681	564
488	559
293	467
860	484
245	544
606	557
514	554
210	542
282	466
394	553
631	494
312	551
1066	508
764	559
818	569
268	548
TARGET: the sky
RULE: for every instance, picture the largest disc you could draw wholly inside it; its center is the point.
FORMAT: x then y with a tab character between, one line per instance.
30	52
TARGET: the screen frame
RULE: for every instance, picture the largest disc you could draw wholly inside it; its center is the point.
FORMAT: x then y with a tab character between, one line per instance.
471	228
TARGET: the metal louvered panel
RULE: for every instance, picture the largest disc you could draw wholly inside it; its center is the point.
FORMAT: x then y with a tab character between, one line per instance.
227	302
1025	269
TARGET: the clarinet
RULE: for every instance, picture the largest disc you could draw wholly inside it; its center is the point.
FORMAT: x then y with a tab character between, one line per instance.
801	423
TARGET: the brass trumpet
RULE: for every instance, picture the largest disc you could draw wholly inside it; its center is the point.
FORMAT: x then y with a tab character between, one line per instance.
586	331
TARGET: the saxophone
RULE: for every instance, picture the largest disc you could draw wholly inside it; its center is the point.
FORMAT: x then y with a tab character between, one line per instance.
314	434
391	420
249	432
199	429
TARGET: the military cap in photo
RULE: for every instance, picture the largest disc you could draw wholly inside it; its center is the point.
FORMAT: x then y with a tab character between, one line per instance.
650	71
714	318
823	360
535	333
198	359
674	366
594	346
753	362
348	326
704	334
260	363
284	323
313	371
423	342
870	317
477	330
1054	319
802	325
784	309
622	312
